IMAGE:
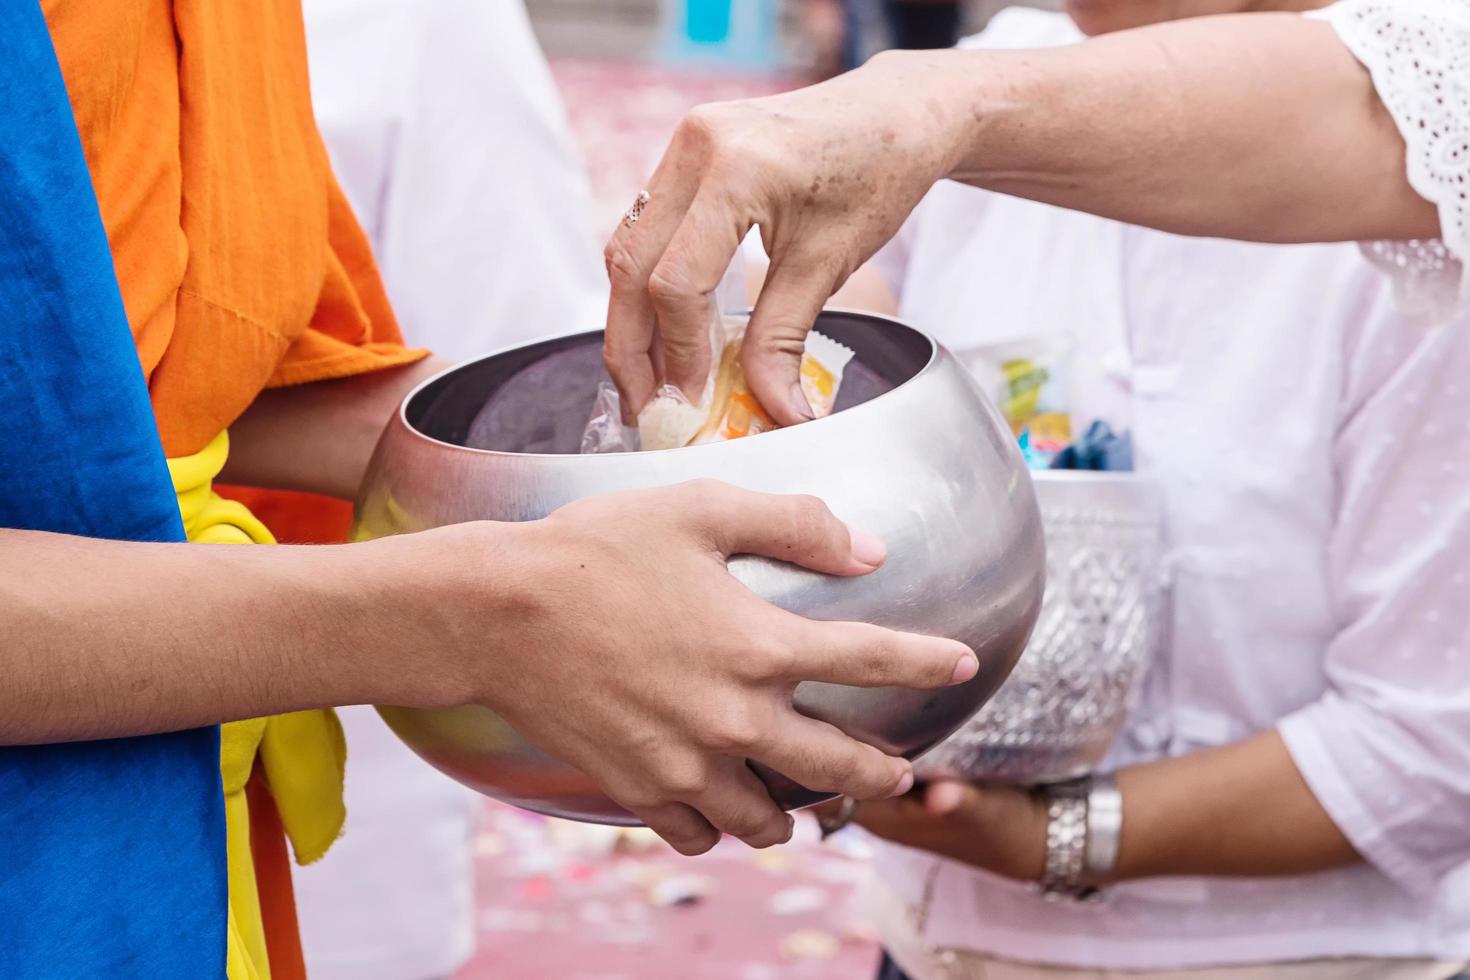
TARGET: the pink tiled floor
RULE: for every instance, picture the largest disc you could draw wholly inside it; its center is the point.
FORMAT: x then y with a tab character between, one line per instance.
558	902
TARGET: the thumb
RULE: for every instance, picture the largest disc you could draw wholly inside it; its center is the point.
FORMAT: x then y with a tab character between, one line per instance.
776	338
948	797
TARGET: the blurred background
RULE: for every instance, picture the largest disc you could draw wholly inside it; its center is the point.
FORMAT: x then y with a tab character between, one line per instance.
629	69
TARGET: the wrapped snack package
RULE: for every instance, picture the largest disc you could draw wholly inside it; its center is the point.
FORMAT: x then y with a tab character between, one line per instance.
727	409
670	420
734	411
1027	381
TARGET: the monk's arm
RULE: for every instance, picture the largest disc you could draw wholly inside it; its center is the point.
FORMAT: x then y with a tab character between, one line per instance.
319	437
106	638
557	624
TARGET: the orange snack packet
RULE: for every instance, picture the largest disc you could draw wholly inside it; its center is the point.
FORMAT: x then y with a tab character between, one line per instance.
735	413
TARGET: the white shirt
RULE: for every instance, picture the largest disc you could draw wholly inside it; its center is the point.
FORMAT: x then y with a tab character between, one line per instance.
447	134
1312	441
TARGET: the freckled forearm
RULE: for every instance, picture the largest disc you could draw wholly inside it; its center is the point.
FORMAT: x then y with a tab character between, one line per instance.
1190	127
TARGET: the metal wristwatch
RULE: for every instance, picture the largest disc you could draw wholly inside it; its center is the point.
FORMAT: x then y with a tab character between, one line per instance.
1084	823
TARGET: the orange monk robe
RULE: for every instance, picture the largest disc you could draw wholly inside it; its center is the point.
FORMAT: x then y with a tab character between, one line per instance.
240	262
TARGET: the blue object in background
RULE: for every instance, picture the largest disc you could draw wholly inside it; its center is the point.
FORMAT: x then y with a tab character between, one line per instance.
1100	448
112	853
707	21
722	33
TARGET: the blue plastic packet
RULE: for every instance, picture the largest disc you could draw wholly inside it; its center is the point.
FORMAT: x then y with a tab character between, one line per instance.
1100	448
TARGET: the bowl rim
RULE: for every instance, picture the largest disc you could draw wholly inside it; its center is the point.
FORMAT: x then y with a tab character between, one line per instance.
400	416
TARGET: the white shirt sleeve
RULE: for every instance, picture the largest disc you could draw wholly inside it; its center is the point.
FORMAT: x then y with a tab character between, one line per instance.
1387	749
1418	53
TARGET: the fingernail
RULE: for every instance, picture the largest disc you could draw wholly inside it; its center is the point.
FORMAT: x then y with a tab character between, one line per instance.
967	666
867	548
799	403
905	783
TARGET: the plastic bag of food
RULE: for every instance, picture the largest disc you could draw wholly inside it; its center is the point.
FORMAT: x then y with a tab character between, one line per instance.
605	432
670	419
734	412
728	410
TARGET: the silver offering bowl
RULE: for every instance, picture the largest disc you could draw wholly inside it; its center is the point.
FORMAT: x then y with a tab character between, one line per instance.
914	453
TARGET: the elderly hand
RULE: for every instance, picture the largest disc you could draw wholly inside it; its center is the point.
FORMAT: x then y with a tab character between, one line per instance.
828	173
998	828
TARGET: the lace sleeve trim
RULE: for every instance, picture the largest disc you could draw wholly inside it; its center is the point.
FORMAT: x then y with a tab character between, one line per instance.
1418	53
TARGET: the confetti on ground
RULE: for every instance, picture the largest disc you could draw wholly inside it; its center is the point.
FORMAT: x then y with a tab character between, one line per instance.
552	907
810	944
799	900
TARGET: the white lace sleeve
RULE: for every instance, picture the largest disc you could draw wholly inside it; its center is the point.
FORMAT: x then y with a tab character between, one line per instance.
1418	52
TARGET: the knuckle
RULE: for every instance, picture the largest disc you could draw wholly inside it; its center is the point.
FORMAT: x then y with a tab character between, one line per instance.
669	284
702	489
695	845
782	337
702	500
622	266
809	521
880	650
865	773
612	359
639	799
885	57
846	770
686	781
768	660
737	731
749	824
701	126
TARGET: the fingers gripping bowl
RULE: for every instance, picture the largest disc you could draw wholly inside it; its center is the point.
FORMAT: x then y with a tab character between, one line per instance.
914	453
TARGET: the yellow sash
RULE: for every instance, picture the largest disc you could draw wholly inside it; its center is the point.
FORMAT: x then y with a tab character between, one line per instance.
303	753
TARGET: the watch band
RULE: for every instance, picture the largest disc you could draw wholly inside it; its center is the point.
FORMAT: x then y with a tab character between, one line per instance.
1083	830
1066	837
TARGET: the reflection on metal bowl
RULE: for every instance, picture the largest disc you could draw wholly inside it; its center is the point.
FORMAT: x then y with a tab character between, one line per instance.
1102	621
913	453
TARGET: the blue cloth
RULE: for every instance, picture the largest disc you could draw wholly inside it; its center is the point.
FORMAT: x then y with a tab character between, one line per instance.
112	853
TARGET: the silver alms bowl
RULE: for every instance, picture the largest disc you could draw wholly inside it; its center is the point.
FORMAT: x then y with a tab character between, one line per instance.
914	453
1102	622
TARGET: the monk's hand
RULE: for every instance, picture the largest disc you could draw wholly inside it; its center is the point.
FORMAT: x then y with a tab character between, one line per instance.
998	828
828	173
643	662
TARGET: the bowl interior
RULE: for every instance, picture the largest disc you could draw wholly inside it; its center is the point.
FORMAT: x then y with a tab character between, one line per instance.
538	398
